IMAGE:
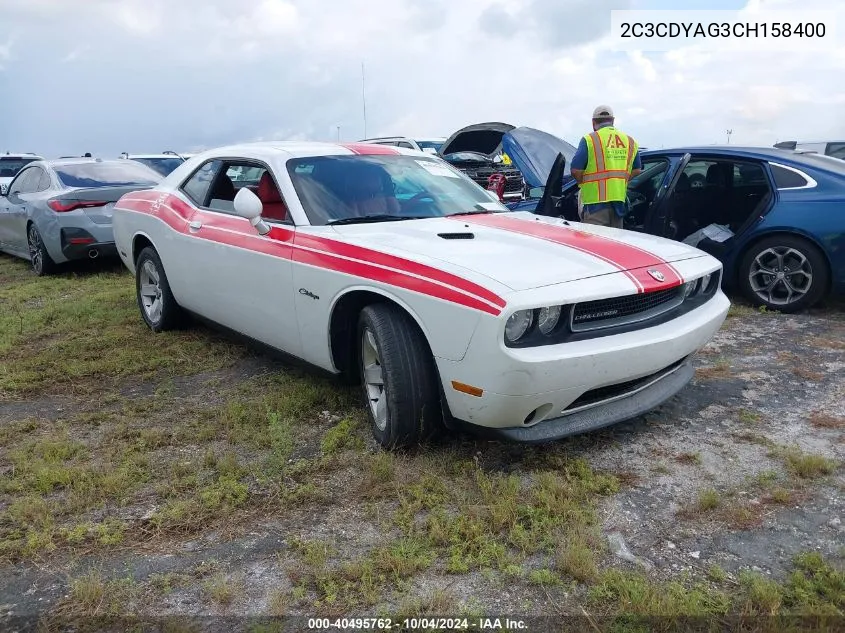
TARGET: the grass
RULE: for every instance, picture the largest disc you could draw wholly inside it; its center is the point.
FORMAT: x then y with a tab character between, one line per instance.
821	420
803	465
173	437
71	332
720	369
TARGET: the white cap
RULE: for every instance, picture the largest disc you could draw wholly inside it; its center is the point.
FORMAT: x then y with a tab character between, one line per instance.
603	112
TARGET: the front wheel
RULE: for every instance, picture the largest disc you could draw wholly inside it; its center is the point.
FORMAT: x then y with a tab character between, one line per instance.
398	377
42	263
155	300
785	273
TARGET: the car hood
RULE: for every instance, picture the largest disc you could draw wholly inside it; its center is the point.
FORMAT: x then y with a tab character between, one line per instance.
483	138
504	255
534	152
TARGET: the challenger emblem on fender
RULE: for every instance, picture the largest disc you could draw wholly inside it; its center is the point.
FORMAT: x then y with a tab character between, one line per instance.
659	276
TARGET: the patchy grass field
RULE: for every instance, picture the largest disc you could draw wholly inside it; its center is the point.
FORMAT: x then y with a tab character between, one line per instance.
183	473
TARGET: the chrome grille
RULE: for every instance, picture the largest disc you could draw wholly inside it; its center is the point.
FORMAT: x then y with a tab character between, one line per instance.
592	315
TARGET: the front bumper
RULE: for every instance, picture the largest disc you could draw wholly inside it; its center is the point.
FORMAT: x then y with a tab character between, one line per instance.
639	399
529	393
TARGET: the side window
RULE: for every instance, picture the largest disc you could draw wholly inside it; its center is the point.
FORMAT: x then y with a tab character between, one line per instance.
26	181
748	175
837	150
44	183
786	178
700	173
198	185
405	144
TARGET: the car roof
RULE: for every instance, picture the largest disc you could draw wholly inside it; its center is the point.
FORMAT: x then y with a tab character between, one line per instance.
766	153
154	155
797	158
21	155
58	162
297	149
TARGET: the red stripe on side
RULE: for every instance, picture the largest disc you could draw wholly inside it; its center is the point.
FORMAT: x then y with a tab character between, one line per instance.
370	148
624	257
383	259
393	278
235	231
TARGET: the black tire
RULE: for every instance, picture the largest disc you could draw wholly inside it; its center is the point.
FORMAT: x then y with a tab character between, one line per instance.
40	260
169	314
410	397
803	273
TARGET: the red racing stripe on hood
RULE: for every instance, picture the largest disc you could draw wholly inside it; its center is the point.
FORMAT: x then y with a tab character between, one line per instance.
643	268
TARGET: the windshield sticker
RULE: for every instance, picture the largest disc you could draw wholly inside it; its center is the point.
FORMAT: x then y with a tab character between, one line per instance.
437	170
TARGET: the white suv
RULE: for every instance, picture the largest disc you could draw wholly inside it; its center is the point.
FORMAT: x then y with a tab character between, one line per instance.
429	145
11	164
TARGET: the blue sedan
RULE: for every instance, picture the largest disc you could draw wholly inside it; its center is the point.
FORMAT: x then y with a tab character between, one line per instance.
774	217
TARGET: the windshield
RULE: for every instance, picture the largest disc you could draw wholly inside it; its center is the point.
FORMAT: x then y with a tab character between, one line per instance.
9	167
162	165
435	145
122	173
459	157
333	188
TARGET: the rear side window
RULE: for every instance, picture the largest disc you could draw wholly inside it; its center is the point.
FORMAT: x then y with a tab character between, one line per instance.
786	178
198	184
123	173
44	183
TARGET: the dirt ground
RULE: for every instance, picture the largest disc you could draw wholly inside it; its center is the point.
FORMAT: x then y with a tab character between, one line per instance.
190	475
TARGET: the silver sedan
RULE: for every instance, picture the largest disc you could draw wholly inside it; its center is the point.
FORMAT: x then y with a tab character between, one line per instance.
56	211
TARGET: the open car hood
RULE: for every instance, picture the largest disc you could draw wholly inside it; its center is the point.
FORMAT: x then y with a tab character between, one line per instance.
484	138
534	153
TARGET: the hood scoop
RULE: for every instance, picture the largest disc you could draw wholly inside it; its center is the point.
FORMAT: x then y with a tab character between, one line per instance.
457	236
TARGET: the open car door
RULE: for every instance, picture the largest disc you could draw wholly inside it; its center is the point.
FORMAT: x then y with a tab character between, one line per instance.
550	202
659	215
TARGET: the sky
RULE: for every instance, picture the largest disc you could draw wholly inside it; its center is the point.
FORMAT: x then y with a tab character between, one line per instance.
108	76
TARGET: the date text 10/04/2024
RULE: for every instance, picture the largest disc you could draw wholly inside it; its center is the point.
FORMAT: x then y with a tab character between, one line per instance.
417	624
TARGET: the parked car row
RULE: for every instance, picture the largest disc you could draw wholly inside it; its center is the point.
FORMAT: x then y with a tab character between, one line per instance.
351	257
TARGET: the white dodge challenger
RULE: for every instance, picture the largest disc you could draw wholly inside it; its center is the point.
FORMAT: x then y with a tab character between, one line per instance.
389	267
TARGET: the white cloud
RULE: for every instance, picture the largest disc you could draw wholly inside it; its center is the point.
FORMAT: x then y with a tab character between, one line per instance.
165	73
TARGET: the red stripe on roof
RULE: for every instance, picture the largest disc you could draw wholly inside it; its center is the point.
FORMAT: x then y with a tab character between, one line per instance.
370	148
624	257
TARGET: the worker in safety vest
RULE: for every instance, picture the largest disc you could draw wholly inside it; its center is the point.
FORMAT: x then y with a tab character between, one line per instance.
605	161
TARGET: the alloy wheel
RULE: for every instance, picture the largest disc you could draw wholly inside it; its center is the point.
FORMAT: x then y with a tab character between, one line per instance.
35	247
150	291
374	379
781	275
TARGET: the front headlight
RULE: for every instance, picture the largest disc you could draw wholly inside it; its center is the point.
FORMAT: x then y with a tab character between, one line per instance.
547	319
690	288
518	324
705	282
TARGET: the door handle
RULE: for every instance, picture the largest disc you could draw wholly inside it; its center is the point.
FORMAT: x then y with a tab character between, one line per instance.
195	225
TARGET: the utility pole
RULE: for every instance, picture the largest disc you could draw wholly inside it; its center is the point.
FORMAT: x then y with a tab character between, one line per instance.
338	134
364	98
729	135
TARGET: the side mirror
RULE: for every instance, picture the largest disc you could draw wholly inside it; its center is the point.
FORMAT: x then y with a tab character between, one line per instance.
249	206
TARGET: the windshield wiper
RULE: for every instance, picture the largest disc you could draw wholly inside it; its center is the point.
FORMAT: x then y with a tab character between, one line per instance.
364	219
475	212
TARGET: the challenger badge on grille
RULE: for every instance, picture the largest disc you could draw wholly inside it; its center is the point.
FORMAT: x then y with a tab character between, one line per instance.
659	276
